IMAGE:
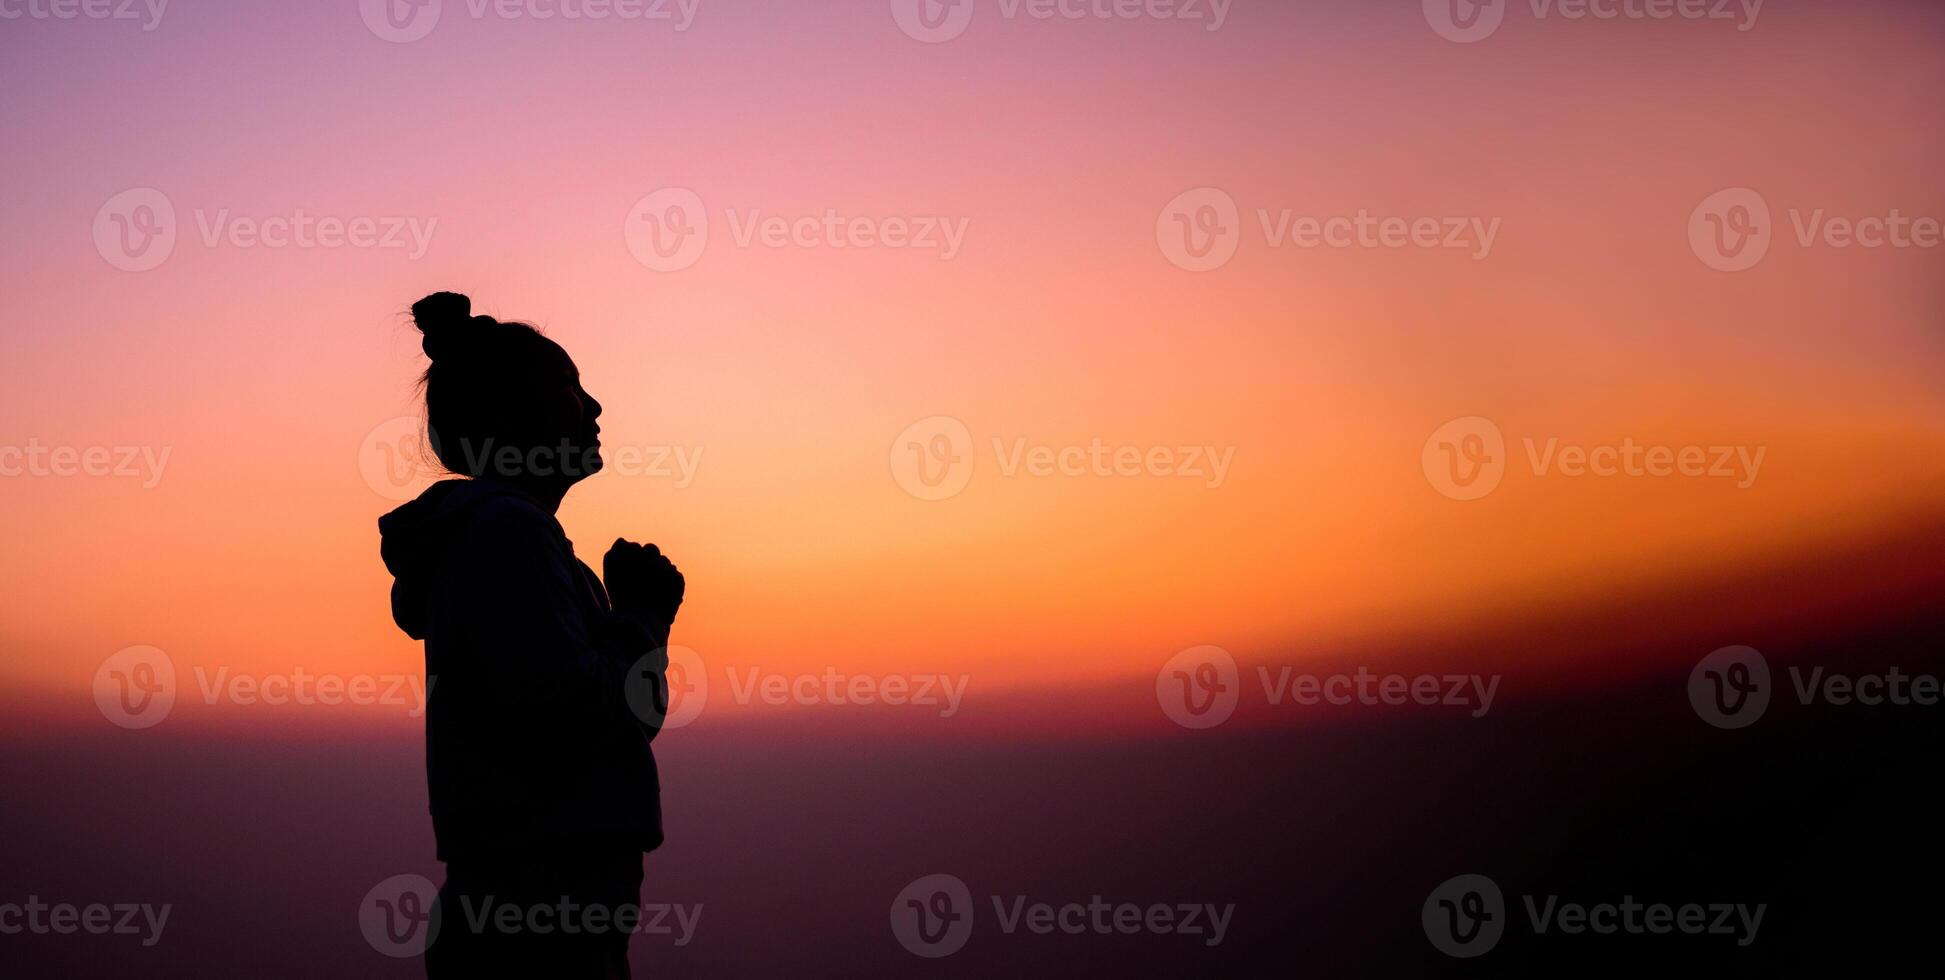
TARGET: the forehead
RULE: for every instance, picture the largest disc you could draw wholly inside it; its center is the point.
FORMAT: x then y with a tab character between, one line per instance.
554	358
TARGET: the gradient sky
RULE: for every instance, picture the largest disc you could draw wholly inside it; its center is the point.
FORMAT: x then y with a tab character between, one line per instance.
792	370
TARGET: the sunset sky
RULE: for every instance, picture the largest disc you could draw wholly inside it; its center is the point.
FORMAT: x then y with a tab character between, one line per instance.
785	374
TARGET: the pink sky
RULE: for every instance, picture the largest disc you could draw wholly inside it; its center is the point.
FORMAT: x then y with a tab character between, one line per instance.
786	373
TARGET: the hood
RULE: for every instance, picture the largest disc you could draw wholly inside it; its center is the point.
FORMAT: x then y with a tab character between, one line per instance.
416	535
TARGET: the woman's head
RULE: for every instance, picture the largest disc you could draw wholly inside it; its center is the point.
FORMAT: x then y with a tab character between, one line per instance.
502	400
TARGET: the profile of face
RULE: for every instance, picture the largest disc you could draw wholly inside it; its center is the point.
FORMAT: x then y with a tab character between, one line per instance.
568	415
503	401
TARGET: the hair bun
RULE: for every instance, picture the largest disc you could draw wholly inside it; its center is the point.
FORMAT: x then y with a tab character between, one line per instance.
439	316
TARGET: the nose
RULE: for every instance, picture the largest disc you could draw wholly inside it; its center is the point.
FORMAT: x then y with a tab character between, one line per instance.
593	407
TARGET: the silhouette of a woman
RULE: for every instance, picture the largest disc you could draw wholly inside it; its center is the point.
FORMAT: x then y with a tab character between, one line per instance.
543	692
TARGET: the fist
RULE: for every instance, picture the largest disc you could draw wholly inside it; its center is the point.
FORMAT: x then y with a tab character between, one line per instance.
642	580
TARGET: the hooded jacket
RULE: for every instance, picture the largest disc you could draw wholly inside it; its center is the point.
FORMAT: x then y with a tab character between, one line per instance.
531	742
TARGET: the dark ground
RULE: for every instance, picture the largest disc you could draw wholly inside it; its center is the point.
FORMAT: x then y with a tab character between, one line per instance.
1326	830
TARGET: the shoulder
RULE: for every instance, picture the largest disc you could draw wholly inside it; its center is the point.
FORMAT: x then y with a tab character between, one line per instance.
508	518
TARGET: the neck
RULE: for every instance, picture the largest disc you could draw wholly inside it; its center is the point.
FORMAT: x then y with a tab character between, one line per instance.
545	492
